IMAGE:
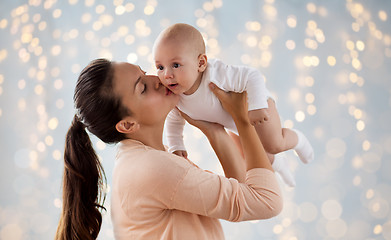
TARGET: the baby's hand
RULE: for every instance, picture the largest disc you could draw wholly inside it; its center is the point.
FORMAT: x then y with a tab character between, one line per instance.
258	116
181	153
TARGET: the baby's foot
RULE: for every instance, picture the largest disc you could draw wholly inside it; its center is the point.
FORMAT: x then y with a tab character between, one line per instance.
303	148
280	166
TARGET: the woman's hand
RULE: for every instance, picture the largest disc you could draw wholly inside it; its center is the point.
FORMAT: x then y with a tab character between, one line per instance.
227	152
234	103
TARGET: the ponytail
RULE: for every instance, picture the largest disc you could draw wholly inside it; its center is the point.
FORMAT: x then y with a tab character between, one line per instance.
83	180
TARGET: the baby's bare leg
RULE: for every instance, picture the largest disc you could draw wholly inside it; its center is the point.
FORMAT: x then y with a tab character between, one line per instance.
275	139
278	162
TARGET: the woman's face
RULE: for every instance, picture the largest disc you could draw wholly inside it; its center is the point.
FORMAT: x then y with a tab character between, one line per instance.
146	98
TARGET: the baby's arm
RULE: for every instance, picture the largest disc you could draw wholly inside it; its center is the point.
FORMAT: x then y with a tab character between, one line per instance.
173	130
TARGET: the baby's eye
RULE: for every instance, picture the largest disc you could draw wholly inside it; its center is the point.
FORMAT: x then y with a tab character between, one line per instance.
176	65
145	88
159	67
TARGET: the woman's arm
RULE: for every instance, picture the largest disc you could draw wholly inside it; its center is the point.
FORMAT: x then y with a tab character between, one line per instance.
236	105
225	149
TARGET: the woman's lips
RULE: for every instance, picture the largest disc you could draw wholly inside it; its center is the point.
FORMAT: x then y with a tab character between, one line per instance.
168	92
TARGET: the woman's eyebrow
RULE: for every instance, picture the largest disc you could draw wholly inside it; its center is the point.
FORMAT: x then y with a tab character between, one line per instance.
135	84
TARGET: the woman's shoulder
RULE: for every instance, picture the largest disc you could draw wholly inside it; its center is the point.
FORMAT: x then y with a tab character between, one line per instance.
135	157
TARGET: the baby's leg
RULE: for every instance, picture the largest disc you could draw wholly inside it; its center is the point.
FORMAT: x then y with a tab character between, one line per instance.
278	162
275	139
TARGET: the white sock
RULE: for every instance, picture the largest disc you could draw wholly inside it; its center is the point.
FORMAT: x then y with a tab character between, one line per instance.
280	166
303	148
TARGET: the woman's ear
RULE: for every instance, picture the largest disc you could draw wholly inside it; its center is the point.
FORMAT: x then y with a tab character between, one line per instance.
202	62
127	125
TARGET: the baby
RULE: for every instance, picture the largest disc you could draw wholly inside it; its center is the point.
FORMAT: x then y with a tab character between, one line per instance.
183	67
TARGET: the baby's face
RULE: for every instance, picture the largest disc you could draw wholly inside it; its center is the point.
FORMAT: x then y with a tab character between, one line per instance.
177	66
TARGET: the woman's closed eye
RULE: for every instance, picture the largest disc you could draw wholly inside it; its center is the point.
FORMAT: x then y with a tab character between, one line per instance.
144	88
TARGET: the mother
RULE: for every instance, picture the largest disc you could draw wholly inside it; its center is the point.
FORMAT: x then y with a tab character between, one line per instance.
155	194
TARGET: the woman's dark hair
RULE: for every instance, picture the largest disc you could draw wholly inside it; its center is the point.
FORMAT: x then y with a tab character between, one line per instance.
98	110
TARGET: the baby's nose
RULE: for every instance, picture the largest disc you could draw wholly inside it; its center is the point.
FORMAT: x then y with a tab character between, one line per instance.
168	73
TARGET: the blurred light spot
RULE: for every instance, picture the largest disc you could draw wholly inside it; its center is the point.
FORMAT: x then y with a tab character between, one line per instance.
129	7
270	10
336	228
75	68
22	104
149	10
360	45
360	125
377	229
311	109
251	41
300	116
382	15
89	3
57	203
290	44
49	140
100	9
132	58
309	98
366	145
379	208
291	21
143	50
331	60
311	7
307	212
11	231
356	180
357	162
335	147
41	75
100	145
60	103
288	124
41	147
3	23
372	161
370	193
57	155
38	89
129	39
253	26
277	229
53	123
57	13
58	84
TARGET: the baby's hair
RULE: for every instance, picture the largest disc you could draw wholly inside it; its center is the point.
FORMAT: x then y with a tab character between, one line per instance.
184	32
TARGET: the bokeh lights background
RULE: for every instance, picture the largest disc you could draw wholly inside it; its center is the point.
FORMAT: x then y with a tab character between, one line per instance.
328	64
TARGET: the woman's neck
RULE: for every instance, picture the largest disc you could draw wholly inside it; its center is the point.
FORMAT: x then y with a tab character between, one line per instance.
150	136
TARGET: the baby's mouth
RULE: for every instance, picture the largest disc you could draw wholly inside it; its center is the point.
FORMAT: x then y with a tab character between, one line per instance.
173	85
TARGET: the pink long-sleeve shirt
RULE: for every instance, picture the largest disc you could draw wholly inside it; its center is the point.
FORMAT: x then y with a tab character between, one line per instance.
158	195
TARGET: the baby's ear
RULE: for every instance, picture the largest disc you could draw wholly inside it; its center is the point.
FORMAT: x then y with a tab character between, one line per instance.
202	62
